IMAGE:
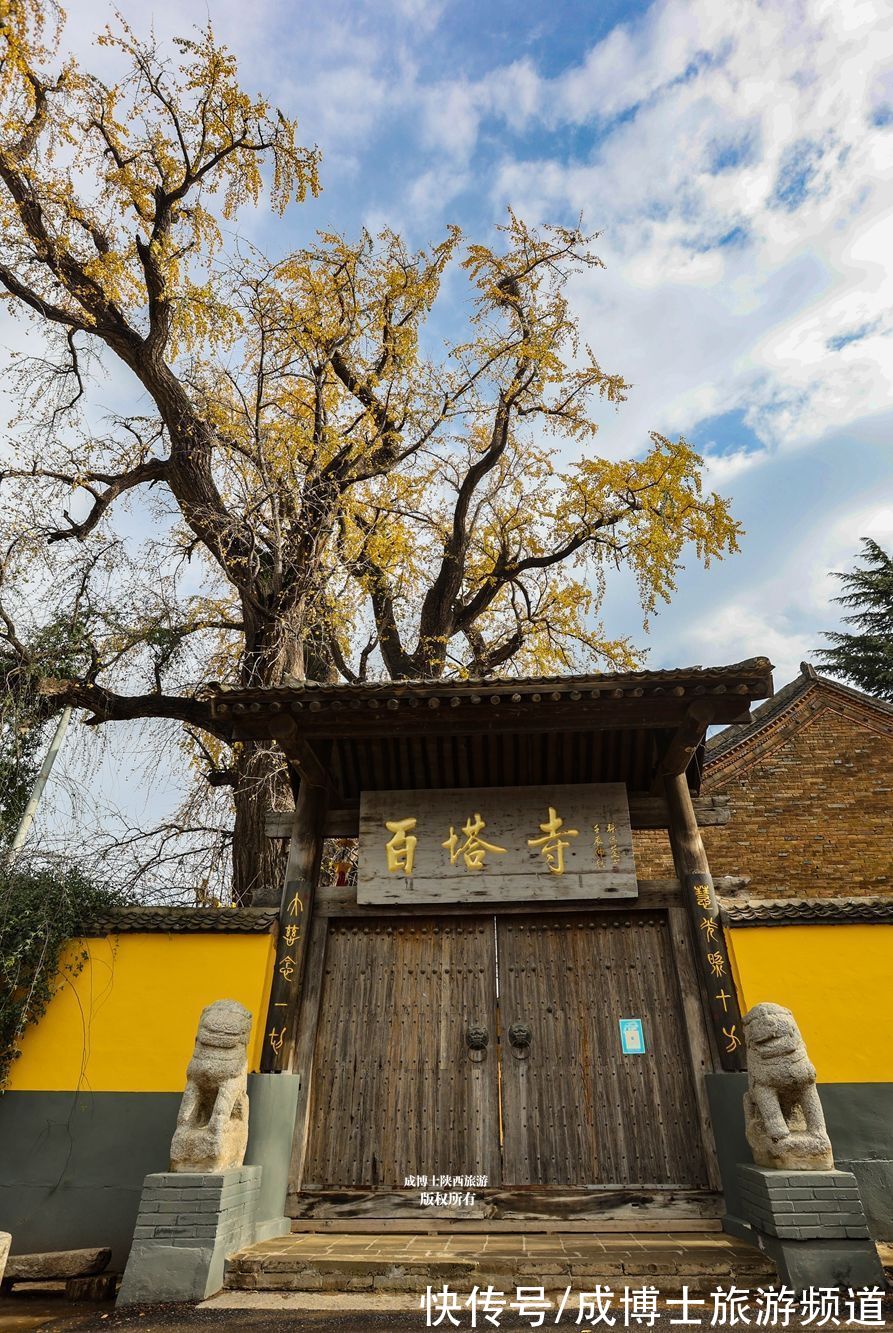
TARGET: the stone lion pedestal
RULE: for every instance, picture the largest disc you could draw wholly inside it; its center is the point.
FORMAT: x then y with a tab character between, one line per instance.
805	1215
206	1206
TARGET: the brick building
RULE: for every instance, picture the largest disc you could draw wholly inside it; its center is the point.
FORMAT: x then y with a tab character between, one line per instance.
810	783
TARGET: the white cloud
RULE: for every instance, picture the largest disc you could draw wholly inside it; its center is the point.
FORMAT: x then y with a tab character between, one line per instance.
749	125
721	469
424	13
451	117
752	627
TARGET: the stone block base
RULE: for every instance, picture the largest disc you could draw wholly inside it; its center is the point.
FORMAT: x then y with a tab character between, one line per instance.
802	1205
187	1224
812	1224
824	1263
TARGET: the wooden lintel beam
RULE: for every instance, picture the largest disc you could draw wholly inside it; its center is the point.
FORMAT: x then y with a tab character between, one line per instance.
342	821
371	724
652	812
644	812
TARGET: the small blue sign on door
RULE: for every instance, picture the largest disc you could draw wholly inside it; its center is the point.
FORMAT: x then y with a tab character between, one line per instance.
632	1036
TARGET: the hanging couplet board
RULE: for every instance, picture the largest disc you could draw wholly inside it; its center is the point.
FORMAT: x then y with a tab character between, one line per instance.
496	844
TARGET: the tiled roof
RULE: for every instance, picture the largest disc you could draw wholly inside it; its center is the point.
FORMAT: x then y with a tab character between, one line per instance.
806	911
185	920
698	679
603	727
767	712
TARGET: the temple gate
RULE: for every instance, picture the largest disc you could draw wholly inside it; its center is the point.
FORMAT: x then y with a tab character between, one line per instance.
499	1002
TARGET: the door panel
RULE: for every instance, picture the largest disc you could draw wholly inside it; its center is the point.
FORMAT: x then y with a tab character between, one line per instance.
396	1090
575	1110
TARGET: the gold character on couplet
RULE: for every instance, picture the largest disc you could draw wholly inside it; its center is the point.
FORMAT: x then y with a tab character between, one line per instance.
401	847
277	1039
708	925
287	967
717	964
702	896
734	1039
551	844
723	998
292	935
473	850
295	907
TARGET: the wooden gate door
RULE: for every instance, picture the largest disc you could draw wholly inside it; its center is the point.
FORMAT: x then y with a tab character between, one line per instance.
396	1089
576	1110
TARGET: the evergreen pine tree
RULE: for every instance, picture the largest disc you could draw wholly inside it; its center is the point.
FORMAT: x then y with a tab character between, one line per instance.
866	655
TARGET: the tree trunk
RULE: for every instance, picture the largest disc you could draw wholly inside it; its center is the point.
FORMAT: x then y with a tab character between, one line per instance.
258	861
278	647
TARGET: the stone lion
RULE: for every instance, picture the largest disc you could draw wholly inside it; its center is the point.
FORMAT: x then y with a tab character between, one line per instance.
783	1116
212	1124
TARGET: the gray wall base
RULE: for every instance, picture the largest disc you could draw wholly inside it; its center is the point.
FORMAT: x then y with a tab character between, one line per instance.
272	1106
272	1227
736	1226
859	1119
824	1263
875	1180
72	1166
188	1223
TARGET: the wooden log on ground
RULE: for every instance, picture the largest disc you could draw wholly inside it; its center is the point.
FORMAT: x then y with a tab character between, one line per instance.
525	1203
634	1225
100	1287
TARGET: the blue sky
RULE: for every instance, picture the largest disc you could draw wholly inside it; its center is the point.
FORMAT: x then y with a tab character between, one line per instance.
737	158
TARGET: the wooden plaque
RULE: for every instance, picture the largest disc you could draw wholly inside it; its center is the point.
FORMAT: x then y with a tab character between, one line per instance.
496	844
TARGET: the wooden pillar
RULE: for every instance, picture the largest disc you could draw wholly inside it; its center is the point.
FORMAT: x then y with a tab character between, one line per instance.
711	954
295	918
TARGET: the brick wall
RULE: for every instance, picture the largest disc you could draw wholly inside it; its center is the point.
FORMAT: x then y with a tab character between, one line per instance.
803	1205
812	802
198	1211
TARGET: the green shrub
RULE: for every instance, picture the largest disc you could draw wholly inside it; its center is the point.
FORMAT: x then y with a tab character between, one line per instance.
42	907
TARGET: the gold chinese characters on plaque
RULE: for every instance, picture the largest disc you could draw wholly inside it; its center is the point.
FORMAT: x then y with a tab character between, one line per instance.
496	844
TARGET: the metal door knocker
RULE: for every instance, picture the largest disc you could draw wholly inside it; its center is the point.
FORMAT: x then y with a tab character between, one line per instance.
519	1037
476	1039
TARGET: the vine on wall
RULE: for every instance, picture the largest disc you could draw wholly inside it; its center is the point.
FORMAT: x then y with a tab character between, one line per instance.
42	908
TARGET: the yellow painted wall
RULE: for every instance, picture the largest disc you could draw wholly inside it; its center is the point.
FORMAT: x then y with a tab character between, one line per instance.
838	983
127	1021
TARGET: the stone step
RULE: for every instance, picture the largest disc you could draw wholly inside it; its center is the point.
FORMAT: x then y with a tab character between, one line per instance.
389	1262
668	1272
667	1284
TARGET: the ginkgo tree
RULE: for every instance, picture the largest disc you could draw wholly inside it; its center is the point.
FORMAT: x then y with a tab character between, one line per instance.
308	484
